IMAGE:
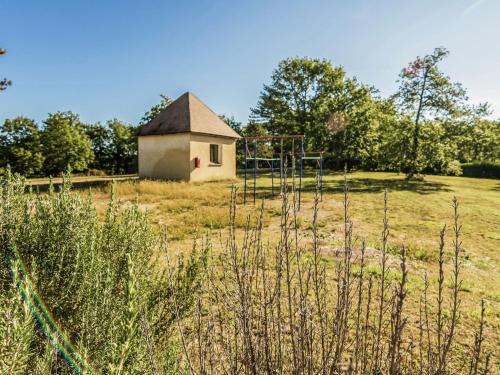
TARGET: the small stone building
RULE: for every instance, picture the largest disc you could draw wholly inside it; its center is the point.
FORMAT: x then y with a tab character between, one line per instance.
187	141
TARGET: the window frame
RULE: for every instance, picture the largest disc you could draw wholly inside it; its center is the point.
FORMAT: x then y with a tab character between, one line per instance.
218	154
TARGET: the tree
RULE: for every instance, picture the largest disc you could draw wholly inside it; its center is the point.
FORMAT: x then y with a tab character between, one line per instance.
20	146
114	146
482	142
356	133
302	94
4	83
64	144
156	109
314	98
99	136
426	93
123	147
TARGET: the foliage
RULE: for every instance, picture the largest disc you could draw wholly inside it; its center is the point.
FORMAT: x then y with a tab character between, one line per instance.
114	146
124	147
20	146
479	140
437	152
65	143
99	136
17	331
427	127
156	109
255	129
357	135
337	114
301	97
485	169
426	93
4	83
98	279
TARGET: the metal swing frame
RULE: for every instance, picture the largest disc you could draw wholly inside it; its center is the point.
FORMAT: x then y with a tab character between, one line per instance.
253	159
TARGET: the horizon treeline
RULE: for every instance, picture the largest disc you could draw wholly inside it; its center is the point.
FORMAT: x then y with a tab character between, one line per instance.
64	140
427	127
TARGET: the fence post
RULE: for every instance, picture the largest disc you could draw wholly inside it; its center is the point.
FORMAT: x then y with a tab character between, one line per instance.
321	176
254	169
301	164
245	173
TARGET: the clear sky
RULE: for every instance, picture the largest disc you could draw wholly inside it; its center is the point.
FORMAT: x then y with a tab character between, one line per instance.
112	58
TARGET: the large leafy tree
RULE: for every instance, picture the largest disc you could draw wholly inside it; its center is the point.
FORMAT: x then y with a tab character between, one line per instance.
64	143
314	98
4	83
20	146
302	94
114	145
123	147
99	136
426	93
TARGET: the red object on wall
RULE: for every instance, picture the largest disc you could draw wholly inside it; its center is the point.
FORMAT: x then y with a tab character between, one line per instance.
197	162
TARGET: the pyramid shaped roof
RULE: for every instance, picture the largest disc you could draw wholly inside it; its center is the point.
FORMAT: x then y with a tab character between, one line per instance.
187	114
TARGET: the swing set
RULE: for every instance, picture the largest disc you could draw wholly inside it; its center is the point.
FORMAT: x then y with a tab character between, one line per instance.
280	160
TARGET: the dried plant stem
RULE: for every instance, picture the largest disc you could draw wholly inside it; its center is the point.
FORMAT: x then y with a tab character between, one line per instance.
478	341
382	290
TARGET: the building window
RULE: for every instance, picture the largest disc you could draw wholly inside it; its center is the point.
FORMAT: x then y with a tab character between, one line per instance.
215	154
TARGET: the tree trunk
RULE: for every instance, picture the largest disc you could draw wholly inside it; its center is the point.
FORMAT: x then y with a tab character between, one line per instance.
416	134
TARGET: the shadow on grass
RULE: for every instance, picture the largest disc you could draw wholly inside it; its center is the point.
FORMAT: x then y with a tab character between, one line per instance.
356	184
77	185
371	185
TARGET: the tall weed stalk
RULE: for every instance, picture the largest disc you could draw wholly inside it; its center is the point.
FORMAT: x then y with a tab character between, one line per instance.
288	309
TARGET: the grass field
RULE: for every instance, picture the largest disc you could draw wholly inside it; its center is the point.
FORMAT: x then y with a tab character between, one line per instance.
417	212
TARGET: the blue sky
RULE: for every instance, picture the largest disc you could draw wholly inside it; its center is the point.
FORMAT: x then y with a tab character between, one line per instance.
108	58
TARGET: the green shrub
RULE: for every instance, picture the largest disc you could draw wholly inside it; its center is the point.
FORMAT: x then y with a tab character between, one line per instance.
483	169
97	278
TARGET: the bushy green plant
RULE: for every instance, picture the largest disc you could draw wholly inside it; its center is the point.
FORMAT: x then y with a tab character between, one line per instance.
20	146
64	143
16	334
98	279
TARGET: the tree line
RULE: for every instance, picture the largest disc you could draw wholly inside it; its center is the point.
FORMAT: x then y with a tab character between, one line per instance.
64	140
427	126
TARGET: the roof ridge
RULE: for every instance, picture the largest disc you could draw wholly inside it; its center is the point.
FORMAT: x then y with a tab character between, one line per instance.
188	113
188	109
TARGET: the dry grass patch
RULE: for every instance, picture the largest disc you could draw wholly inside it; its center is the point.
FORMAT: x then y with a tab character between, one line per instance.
417	211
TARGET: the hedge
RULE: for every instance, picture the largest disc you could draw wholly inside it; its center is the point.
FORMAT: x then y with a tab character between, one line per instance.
483	169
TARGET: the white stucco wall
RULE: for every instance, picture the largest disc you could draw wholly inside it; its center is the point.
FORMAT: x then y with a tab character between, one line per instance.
164	156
